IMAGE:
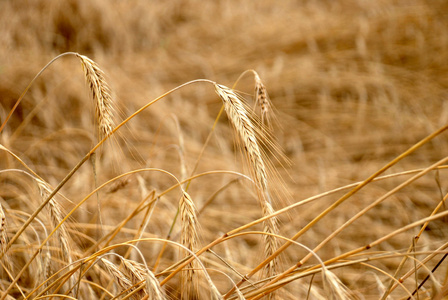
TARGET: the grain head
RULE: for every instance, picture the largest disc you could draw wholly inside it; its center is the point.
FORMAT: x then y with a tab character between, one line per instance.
189	238
3	234
241	121
56	216
262	99
119	277
101	95
137	273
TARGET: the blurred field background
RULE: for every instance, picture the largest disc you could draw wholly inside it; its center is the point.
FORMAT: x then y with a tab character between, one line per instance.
354	84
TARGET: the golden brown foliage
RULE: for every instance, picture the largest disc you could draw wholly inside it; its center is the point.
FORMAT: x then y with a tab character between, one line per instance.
354	84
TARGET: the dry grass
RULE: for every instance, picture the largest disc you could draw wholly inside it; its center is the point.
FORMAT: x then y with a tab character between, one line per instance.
354	92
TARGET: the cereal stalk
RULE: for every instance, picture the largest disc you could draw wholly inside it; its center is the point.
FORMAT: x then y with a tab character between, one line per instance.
241	121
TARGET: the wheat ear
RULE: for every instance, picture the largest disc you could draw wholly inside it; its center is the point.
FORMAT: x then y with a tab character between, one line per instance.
138	273
262	99
56	217
122	280
101	95
241	121
3	236
271	243
189	238
239	117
